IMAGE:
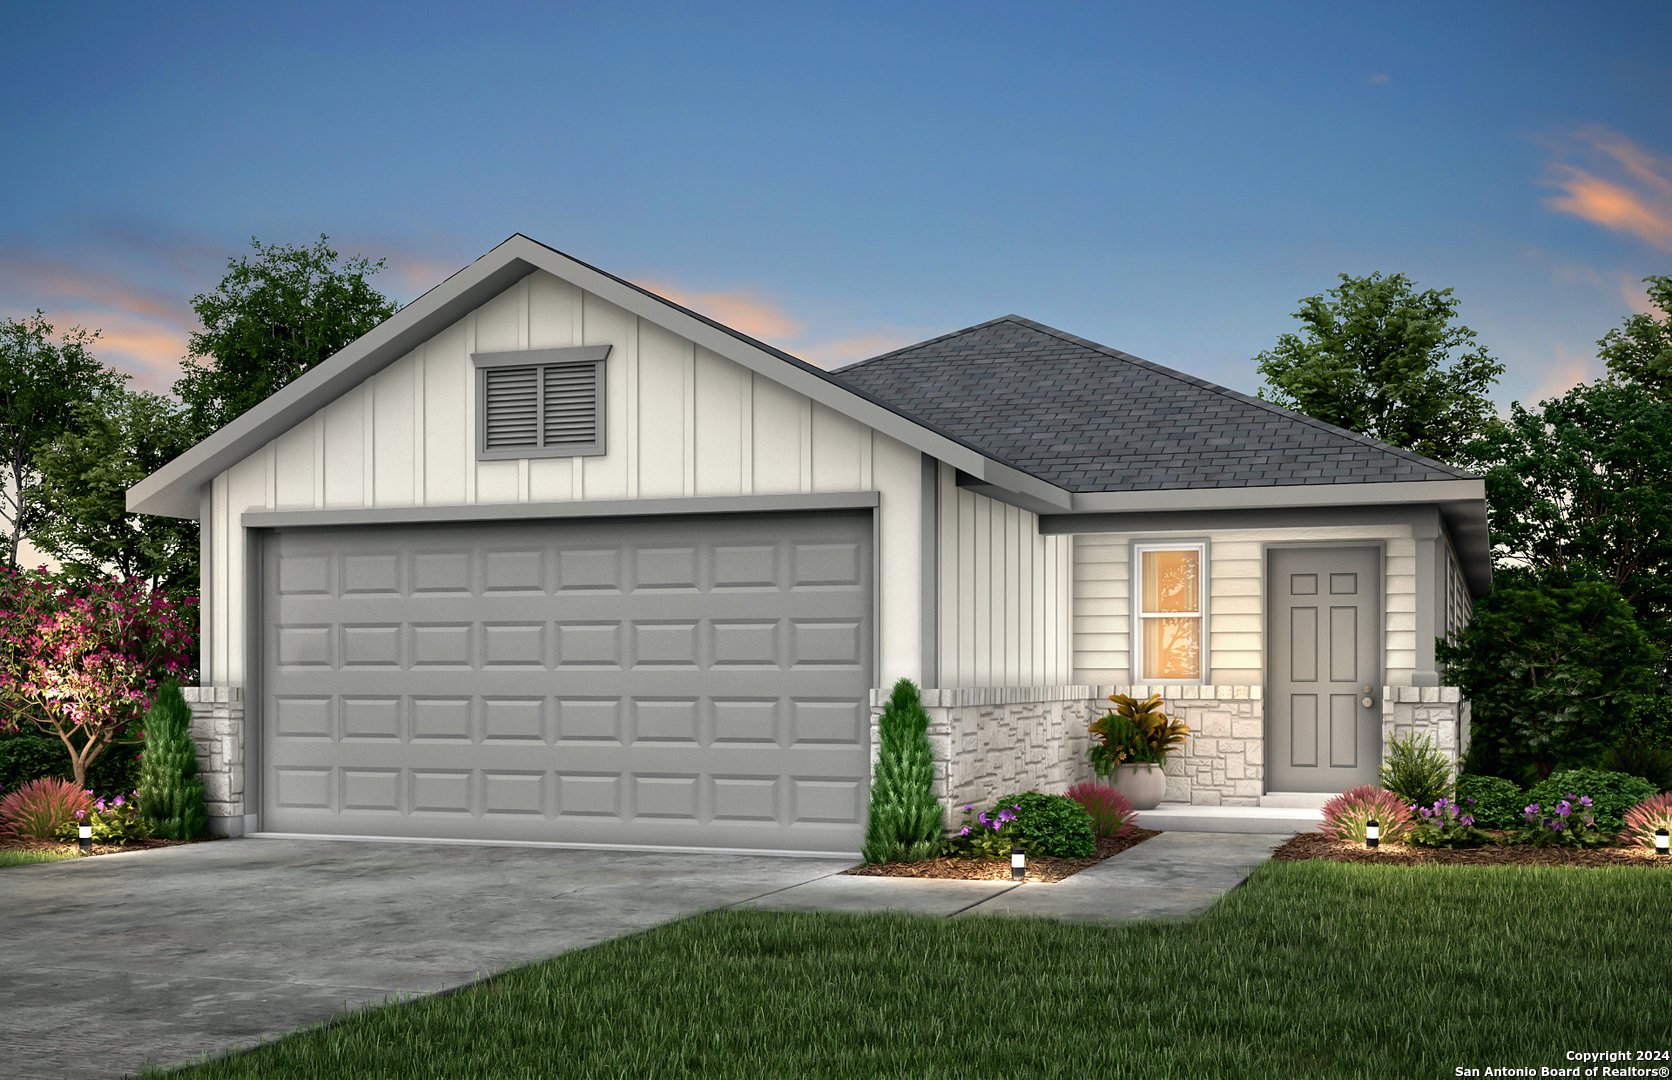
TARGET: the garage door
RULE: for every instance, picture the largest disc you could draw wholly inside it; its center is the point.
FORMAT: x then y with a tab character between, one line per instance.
692	681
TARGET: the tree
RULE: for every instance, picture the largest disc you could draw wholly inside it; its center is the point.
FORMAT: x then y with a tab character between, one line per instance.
271	318
85	473
170	789
82	667
1374	360
905	819
1553	664
41	381
1641	350
1583	484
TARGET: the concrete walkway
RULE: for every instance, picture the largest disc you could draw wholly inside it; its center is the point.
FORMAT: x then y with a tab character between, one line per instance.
171	954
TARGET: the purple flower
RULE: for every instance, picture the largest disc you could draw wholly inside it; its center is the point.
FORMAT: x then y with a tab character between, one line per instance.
120	801
1556	825
968	808
1563	809
965	831
1584	800
1467	819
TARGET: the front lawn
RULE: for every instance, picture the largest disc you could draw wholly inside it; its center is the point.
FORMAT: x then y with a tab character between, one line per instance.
25	858
1312	969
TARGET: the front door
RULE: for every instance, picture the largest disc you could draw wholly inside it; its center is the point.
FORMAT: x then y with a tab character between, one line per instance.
1323	692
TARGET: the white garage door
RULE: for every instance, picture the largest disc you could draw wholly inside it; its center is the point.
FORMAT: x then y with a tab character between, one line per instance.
690	681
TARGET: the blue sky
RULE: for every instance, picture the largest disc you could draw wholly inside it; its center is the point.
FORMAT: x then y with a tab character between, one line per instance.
1169	179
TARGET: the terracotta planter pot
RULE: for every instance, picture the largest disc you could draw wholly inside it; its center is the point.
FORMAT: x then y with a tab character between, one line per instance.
1143	785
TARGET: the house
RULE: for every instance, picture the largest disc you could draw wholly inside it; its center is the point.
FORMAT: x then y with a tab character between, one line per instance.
548	558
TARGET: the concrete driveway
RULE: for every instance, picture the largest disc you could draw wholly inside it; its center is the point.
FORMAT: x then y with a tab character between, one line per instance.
169	954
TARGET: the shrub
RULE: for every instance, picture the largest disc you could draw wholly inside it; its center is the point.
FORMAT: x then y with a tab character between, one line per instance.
1346	815
1416	771
905	819
1053	824
1109	810
29	755
1495	802
1611	794
1569	821
114	822
1643	819
170	790
1639	757
36	809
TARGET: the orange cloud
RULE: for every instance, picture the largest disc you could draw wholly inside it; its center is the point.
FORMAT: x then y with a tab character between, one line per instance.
747	311
1567	370
1622	186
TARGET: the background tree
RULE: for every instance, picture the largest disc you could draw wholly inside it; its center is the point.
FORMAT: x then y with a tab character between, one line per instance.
41	381
1641	350
85	474
273	317
1373	358
1583	483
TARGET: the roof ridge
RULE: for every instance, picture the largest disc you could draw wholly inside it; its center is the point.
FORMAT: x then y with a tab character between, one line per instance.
1236	395
929	341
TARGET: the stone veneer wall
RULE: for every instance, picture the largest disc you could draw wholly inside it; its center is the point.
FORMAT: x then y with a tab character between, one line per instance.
218	730
1439	712
992	741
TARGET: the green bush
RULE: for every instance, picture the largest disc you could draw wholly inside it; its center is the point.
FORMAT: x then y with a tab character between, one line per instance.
113	822
1612	794
905	820
1497	802
1638	758
1553	664
1054	825
170	792
1416	771
29	755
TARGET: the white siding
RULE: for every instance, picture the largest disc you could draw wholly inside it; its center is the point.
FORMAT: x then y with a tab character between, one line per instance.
1004	593
682	421
1236	611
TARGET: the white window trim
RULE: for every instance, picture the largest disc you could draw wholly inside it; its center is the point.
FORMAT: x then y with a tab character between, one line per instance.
536	358
1136	636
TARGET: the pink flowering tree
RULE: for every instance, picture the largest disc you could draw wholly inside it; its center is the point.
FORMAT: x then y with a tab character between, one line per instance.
84	664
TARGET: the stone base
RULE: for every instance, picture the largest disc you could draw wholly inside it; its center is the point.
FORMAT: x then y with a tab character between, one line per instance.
218	730
1439	712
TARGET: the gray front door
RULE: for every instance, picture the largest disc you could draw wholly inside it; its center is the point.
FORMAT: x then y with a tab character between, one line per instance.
1325	629
692	682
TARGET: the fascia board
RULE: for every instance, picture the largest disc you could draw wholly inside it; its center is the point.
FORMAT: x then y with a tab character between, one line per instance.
172	491
491	512
1228	498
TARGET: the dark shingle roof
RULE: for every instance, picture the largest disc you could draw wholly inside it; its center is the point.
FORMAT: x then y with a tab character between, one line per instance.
1090	418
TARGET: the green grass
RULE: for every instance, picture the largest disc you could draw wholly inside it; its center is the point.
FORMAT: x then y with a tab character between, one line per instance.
25	858
1313	969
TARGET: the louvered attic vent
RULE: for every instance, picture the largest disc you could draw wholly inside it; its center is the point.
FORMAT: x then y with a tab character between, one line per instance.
541	402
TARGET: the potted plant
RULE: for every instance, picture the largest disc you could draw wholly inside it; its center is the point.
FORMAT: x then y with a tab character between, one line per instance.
1134	739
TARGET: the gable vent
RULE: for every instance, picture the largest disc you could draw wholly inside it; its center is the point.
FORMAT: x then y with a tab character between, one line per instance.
513	410
569	405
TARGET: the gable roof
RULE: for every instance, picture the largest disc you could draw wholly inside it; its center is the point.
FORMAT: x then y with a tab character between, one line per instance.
1088	418
175	489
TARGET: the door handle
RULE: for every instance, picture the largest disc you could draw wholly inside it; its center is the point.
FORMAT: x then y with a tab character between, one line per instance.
1367	701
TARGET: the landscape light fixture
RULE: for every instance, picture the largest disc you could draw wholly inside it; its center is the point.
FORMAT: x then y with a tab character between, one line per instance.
1018	864
1373	834
1661	843
87	839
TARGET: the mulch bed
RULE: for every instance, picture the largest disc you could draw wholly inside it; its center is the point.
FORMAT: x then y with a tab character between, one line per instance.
1043	868
98	849
1319	846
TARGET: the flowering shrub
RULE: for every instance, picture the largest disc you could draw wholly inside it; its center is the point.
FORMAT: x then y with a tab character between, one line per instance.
1346	815
1495	802
1109	809
36	809
1054	824
114	822
83	667
988	836
1570	822
1445	825
1611	794
1643	819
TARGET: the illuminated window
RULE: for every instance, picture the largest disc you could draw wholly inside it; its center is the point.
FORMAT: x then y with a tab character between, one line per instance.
1169	613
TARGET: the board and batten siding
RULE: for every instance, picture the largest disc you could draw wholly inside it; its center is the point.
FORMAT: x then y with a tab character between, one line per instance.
682	422
1235	587
1004	593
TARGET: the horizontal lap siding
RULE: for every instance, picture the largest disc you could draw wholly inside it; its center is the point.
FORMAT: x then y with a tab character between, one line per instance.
1236	611
682	421
1004	593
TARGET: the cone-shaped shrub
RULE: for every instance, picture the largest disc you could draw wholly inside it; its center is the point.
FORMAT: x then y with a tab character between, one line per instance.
170	790
905	821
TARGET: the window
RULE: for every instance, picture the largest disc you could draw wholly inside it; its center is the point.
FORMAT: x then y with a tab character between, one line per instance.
540	402
1169	612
